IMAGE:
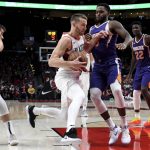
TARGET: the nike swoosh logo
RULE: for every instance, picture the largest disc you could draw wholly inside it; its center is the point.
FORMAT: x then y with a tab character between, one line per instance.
43	93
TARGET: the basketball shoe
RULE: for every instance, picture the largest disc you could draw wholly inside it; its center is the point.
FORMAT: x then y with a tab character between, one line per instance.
135	122
71	137
147	124
30	115
125	138
114	134
12	140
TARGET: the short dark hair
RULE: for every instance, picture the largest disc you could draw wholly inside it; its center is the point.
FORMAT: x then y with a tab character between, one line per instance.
107	7
76	17
2	27
136	22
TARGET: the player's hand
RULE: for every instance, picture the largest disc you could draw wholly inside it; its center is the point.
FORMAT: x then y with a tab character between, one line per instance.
121	46
88	37
77	65
102	34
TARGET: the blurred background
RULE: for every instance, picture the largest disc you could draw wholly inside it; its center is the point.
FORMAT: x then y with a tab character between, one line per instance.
33	33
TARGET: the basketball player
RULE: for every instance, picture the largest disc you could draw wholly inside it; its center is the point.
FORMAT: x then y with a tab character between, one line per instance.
67	77
4	113
106	71
141	59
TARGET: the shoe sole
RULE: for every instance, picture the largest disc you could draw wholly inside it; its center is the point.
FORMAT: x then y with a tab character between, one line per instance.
126	143
135	125
71	141
14	143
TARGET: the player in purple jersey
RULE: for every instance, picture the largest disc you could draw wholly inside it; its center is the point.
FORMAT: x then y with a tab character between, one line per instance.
106	70
140	46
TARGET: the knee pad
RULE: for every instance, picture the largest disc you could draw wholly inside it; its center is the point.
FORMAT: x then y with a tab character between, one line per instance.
136	94
96	98
95	93
117	93
115	87
3	107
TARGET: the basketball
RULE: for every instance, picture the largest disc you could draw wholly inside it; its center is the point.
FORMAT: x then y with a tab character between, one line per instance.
74	55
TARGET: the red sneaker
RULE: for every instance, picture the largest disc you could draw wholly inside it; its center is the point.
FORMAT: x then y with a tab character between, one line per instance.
135	122
147	123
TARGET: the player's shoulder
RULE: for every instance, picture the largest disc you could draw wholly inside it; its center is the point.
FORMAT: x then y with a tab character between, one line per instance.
65	38
147	39
147	36
114	22
91	28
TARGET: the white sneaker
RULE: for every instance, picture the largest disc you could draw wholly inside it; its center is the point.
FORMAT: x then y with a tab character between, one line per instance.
69	140
114	134
125	139
71	137
12	140
84	113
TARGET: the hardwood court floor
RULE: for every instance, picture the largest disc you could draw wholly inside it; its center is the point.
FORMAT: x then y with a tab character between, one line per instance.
48	131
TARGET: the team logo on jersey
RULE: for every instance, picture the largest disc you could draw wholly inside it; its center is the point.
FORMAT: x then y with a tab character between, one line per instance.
79	49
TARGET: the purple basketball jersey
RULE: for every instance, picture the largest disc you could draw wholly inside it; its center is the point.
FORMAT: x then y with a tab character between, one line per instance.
142	54
105	49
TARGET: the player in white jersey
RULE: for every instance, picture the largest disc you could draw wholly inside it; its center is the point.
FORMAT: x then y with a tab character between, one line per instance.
4	112
67	77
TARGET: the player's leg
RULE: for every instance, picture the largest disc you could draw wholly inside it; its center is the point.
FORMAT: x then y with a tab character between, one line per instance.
97	84
73	110
4	113
136	99
146	94
84	78
136	104
120	104
33	112
114	80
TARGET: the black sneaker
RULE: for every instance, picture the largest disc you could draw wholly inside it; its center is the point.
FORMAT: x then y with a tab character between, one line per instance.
30	115
71	136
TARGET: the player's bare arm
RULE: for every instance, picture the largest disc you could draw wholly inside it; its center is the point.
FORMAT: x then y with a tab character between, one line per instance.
117	28
55	60
90	41
132	66
1	45
147	40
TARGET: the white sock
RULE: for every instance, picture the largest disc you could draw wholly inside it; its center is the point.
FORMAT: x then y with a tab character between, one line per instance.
110	123
84	108
137	115
136	99
9	128
51	112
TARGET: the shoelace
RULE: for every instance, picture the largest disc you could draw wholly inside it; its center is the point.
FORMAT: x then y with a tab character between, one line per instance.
125	133
113	132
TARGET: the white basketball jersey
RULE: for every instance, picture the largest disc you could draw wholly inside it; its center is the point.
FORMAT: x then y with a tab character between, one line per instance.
77	45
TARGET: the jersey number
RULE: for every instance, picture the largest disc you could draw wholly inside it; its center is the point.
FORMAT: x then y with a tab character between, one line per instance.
139	55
